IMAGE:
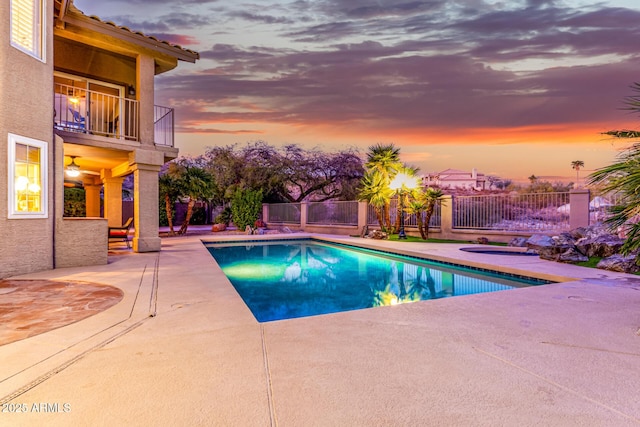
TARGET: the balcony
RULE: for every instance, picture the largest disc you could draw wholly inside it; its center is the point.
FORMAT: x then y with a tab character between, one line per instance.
100	113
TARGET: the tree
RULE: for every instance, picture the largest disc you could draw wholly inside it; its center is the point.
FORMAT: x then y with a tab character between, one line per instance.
385	160
423	205
623	177
289	174
375	190
195	183
314	175
533	179
577	164
170	189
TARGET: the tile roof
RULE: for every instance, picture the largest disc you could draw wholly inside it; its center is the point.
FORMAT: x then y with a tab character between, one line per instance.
72	8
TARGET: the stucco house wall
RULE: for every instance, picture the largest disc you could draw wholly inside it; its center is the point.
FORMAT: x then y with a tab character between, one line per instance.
25	85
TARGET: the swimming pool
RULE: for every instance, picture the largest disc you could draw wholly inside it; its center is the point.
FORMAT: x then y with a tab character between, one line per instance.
297	278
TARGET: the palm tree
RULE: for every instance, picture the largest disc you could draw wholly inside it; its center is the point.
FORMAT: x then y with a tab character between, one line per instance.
623	177
375	190
533	179
385	159
407	173
431	197
577	164
170	190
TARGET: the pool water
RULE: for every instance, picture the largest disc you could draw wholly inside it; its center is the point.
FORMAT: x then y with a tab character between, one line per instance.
290	279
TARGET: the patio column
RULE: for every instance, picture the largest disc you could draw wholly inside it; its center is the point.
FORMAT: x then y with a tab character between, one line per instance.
92	199
145	200
446	217
363	215
579	208
112	199
145	72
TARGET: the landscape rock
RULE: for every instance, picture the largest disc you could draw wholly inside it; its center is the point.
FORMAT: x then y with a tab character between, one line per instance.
619	262
564	239
572	256
377	235
218	227
483	240
553	252
601	246
539	241
519	242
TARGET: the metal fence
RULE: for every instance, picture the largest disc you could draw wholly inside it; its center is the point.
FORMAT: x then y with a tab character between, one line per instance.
517	212
163	125
284	212
410	220
94	112
333	213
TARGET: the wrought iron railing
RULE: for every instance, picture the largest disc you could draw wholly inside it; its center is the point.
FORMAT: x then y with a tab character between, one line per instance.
96	113
410	219
163	125
518	212
284	212
333	213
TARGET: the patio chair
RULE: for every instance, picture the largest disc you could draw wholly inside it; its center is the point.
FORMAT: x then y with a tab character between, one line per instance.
122	233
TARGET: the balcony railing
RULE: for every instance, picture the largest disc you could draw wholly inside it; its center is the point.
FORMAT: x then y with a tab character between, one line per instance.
163	125
96	113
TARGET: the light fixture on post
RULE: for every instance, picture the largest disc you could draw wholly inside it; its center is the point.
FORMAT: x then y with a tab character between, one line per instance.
402	183
72	170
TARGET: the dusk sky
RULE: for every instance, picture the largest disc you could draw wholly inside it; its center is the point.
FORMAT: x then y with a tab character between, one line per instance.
512	88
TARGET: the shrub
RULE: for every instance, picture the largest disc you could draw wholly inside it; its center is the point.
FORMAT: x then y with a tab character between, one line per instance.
246	207
74	202
224	217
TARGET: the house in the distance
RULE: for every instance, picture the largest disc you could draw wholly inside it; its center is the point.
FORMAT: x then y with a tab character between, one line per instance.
454	178
78	110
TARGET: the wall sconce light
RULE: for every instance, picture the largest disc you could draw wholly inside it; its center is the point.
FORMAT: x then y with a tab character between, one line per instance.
132	90
72	169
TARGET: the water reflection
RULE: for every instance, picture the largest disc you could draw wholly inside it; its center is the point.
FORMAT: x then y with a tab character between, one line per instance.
287	280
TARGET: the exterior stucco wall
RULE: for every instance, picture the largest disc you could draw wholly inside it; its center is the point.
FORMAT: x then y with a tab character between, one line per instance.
26	245
81	241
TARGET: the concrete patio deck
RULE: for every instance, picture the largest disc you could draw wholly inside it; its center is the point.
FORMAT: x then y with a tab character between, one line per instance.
181	348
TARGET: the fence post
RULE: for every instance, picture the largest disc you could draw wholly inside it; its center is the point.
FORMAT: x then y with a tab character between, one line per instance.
303	215
579	208
446	216
265	212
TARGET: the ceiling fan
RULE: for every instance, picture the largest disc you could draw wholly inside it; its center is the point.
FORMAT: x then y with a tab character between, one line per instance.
73	170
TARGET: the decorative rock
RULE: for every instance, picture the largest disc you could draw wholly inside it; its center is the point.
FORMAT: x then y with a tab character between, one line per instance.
571	256
602	246
621	263
564	239
539	241
218	227
553	252
483	240
377	235
519	242
286	230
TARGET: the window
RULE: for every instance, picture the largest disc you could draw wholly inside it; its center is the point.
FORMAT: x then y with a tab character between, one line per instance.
27	177
27	22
